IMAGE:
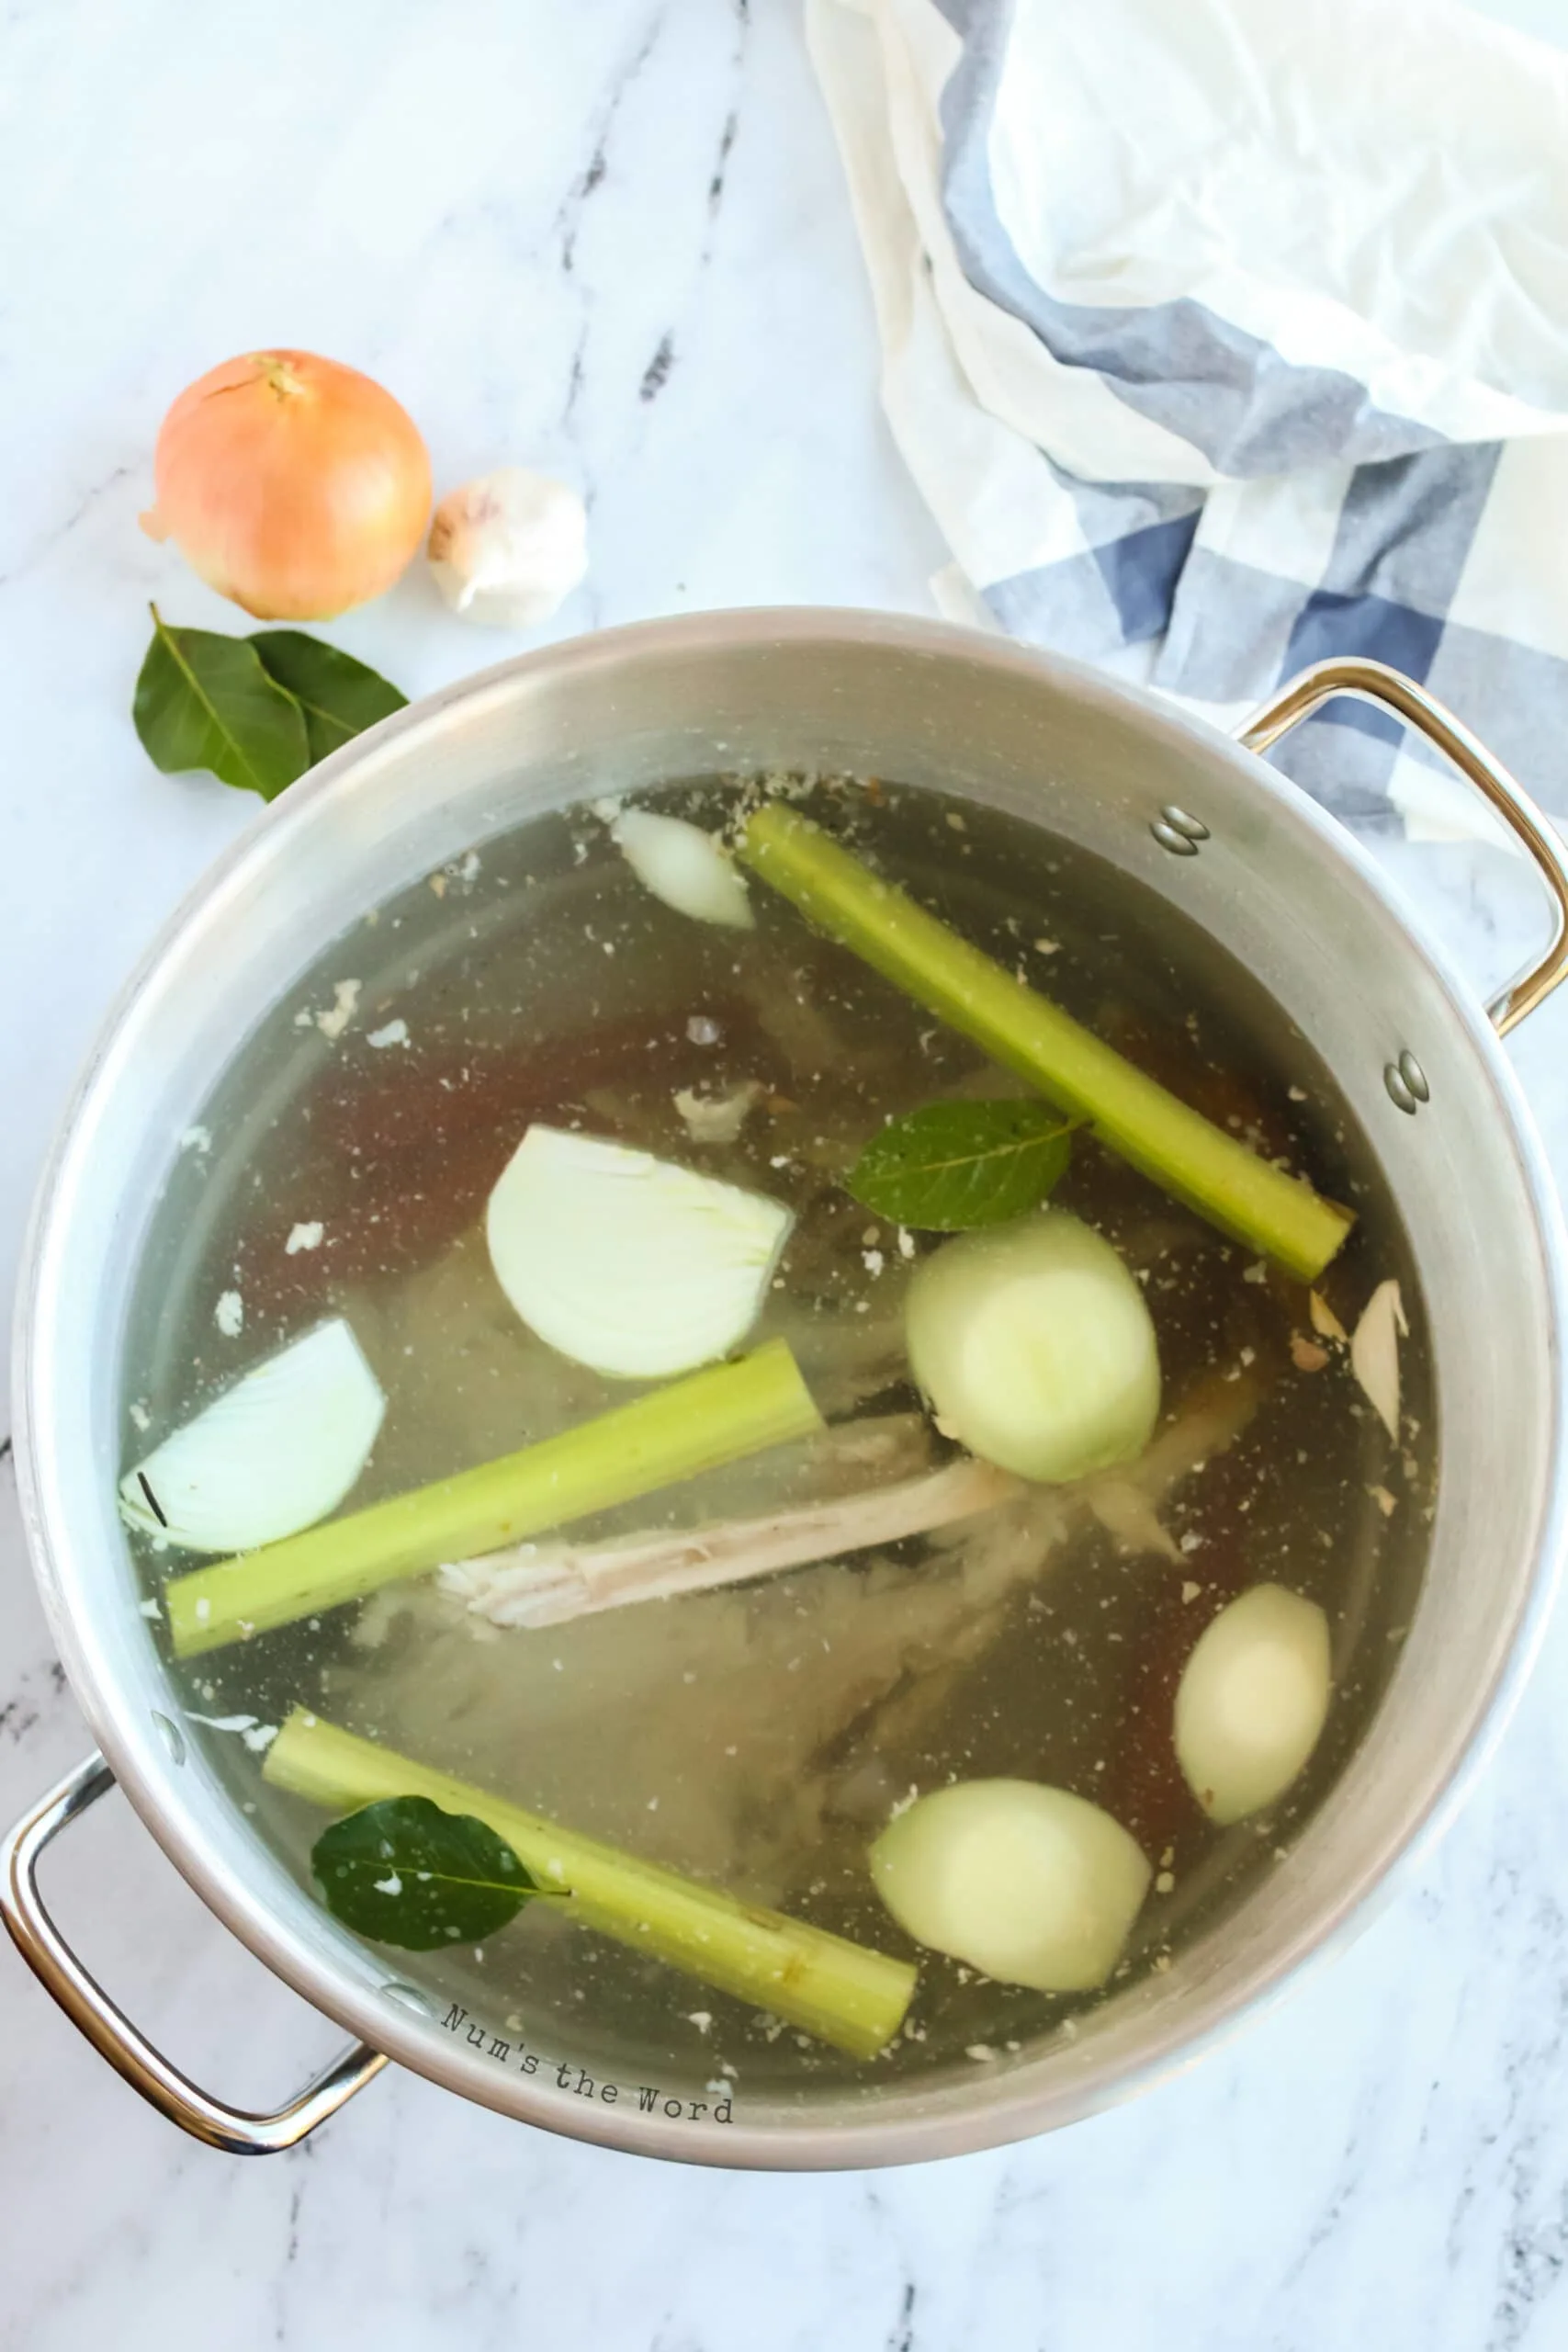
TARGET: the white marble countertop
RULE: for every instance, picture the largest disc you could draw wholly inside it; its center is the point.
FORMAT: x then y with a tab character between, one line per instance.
612	240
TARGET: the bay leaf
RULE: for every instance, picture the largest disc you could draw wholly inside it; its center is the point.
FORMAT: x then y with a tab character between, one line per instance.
953	1165
403	1872
339	696
205	701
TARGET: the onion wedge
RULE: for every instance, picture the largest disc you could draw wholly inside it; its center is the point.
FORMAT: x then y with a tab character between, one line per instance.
273	1454
626	1263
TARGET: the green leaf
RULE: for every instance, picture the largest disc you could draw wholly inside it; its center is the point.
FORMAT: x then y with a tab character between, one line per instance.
953	1165
258	711
205	701
340	696
404	1873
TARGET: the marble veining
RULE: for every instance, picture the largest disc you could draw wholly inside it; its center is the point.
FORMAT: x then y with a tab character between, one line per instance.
614	241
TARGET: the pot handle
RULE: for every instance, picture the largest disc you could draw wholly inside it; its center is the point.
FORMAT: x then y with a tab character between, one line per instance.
1373	681
111	2033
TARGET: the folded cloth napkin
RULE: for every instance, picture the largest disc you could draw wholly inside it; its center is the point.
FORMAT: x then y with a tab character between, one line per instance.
1236	331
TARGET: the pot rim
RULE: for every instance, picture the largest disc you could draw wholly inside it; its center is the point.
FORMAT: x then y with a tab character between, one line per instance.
1005	2108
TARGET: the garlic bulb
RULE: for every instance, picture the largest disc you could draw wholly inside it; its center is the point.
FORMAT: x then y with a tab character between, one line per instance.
508	547
626	1263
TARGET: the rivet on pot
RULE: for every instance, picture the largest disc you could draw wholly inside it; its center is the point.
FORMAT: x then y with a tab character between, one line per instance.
1407	1083
172	1736
1176	831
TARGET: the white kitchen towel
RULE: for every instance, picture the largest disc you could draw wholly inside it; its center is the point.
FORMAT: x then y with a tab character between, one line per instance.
1237	331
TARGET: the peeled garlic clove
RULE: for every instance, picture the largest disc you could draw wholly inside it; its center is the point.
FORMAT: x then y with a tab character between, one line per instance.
626	1263
1252	1700
508	547
684	866
273	1453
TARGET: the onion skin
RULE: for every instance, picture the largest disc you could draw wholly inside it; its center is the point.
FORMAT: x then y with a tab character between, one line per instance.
291	484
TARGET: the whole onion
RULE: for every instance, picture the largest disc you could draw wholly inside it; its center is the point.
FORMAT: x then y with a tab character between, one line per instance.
1036	1349
293	484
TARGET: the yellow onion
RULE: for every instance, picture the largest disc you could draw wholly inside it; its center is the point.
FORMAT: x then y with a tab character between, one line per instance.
291	483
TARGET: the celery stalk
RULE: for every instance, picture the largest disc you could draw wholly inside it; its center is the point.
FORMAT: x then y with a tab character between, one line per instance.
841	1992
711	1417
1151	1129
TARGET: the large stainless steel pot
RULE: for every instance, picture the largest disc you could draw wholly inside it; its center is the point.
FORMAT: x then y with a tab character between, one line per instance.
1202	820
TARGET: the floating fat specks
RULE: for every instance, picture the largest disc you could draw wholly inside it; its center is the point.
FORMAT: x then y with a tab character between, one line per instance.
718	1118
259	1736
271	1454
